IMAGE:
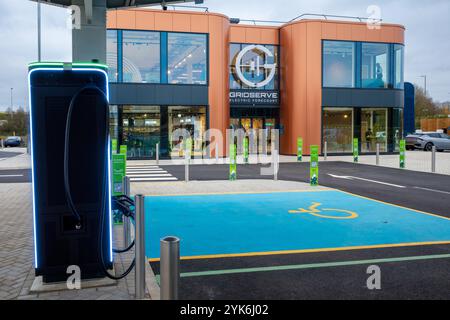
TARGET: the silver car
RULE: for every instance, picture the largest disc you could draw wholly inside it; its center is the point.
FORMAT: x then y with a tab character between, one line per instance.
426	142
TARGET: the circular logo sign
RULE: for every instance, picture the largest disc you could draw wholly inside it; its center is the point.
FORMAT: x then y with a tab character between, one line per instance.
254	65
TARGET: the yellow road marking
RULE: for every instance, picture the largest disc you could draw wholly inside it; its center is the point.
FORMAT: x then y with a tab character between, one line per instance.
271	253
316	212
237	192
395	205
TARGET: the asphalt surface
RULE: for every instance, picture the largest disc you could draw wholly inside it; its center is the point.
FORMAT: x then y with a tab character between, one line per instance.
15	176
426	278
8	154
415	190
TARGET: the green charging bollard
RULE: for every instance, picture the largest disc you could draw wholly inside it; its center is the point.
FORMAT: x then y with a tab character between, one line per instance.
118	173
246	151
402	154
233	169
123	150
355	150
299	149
314	166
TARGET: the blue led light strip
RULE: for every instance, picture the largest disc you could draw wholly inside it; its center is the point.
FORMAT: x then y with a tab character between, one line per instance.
36	261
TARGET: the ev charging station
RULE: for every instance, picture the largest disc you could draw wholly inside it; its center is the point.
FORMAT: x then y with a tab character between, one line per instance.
71	152
71	169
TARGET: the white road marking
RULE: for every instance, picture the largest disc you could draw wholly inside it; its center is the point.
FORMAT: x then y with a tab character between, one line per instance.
148	173
432	190
10	175
153	179
368	180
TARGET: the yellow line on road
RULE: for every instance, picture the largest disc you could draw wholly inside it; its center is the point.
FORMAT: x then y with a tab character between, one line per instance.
271	253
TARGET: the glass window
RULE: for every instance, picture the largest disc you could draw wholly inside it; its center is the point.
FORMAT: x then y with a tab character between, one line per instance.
141	130
113	122
338	64
338	129
111	54
141	56
187	62
373	129
252	67
375	65
399	66
192	119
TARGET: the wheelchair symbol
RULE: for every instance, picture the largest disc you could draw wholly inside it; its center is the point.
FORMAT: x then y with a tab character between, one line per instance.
314	211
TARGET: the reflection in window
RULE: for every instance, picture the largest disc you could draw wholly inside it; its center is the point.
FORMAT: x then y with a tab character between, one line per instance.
111	56
338	129
191	119
141	130
399	66
338	64
187	62
113	122
141	56
253	58
375	65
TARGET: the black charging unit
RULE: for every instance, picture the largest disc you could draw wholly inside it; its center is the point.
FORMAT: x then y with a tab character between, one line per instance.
70	169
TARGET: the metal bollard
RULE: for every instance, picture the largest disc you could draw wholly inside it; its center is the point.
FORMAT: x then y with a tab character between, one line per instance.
170	268
433	159
325	151
186	166
140	247
276	166
126	220
157	153
378	155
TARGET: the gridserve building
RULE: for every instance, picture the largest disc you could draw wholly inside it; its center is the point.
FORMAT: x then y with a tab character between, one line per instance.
322	80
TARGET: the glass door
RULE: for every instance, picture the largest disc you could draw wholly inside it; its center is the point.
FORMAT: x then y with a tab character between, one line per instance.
258	124
373	129
141	130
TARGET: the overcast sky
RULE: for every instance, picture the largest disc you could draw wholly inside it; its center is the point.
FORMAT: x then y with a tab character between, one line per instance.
427	35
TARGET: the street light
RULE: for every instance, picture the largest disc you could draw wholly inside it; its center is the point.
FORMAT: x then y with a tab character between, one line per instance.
39	28
425	80
12	99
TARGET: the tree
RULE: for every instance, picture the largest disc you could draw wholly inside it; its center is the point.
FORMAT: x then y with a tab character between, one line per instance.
16	123
424	107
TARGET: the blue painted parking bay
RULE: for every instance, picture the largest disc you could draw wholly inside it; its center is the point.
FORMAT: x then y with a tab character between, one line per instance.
222	225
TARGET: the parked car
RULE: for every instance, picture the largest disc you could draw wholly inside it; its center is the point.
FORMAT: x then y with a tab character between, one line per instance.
13	142
412	140
426	142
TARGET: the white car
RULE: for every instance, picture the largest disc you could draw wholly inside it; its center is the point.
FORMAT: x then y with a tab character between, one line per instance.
439	140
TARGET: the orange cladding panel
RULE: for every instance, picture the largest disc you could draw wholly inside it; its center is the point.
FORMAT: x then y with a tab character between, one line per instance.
181	22
199	23
145	20
252	35
314	84
163	21
126	19
111	19
218	75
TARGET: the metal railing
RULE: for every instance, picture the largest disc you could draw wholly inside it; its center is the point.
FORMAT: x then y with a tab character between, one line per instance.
327	16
